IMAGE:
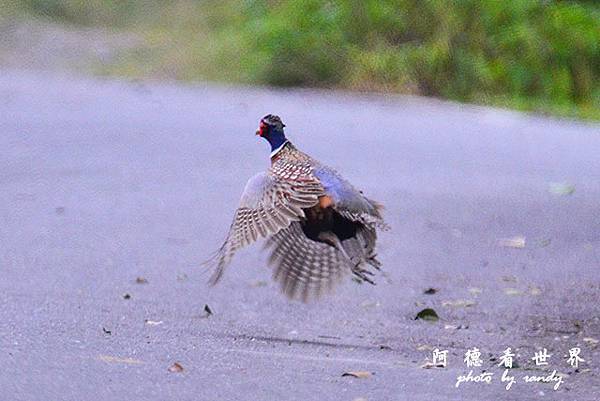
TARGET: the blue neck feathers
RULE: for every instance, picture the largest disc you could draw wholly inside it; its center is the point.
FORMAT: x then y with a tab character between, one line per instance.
276	138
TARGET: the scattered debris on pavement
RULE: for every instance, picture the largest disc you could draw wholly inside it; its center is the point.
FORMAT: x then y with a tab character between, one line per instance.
207	310
561	188
431	365
428	314
176	368
514	242
359	374
459	303
115	359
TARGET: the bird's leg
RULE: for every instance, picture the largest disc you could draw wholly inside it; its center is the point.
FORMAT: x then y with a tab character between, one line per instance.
361	274
330	238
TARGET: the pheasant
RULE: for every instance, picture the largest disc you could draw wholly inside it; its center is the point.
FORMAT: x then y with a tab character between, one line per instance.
318	226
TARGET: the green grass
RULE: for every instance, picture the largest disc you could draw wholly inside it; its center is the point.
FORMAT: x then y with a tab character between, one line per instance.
534	55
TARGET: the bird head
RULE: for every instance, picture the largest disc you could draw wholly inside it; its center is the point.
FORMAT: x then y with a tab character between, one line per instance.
271	127
268	125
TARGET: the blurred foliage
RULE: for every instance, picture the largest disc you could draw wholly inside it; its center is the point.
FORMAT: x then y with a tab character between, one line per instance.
541	55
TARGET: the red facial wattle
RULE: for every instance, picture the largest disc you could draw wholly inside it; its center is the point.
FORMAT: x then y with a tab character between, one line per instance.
262	129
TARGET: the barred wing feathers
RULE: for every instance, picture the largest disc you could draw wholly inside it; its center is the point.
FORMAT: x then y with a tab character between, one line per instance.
304	268
268	205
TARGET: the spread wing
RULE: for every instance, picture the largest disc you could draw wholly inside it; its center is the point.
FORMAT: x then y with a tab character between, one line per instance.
268	205
310	256
305	268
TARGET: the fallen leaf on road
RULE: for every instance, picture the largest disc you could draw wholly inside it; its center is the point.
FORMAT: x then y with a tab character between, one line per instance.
360	374
514	242
431	365
430	291
428	314
455	327
153	322
141	280
475	291
126	296
106	331
116	359
176	368
207	310
561	188
459	303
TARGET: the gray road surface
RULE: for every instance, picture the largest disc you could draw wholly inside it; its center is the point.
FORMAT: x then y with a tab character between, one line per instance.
102	182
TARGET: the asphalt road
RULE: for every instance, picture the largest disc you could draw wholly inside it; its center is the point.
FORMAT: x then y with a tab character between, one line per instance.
104	182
